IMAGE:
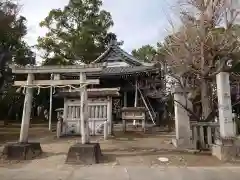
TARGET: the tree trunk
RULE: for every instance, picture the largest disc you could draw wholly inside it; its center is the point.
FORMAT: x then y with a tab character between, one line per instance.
205	99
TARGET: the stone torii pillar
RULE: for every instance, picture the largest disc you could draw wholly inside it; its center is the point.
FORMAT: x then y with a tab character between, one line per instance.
27	107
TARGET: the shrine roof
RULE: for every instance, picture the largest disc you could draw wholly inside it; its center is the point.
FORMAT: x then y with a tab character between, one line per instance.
120	71
117	62
116	54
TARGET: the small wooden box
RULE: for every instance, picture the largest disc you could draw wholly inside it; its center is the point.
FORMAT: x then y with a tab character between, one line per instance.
133	113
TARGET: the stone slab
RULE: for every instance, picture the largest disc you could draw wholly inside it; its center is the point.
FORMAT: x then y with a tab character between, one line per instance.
22	151
84	154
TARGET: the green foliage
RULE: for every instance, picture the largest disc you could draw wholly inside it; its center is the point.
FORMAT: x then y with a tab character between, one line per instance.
12	31
76	33
148	53
145	53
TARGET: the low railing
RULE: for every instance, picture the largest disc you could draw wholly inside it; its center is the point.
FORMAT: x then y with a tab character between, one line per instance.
204	134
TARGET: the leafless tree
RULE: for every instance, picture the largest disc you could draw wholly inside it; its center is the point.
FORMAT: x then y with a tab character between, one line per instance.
206	44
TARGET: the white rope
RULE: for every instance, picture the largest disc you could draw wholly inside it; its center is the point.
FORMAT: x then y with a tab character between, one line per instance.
54	88
38	90
24	90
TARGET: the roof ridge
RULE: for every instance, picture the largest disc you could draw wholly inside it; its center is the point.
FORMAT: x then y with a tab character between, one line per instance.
102	55
128	55
121	51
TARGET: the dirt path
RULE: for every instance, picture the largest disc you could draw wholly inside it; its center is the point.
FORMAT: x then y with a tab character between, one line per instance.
130	149
12	131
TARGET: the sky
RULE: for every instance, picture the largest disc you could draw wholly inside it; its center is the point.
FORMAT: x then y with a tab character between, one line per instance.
136	22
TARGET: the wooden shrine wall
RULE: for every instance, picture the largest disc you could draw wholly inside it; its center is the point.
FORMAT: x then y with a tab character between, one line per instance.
99	111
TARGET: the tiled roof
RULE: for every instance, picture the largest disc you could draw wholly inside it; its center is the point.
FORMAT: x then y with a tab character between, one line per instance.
114	51
126	70
119	71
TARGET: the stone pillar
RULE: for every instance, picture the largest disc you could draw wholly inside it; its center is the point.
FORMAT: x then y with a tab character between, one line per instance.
105	130
64	124
26	111
109	116
125	99
84	110
224	147
182	120
136	94
136	101
55	77
224	106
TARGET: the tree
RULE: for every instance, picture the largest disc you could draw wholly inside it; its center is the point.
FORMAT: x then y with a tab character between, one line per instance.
201	48
145	53
12	31
77	33
13	49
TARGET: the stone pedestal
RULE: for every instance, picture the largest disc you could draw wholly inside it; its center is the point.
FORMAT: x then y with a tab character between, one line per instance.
182	120
225	149
22	151
84	154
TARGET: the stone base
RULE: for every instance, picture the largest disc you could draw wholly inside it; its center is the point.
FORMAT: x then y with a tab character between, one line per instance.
183	143
225	149
22	151
84	154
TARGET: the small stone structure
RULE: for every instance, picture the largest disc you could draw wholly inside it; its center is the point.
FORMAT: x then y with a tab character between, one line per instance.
85	154
182	120
204	134
22	151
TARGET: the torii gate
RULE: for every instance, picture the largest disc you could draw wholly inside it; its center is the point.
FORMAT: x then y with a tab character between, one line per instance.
30	83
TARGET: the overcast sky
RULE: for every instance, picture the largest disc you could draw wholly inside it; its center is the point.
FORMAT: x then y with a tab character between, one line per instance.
136	22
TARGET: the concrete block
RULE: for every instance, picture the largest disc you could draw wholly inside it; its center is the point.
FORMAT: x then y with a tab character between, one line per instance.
22	151
225	149
84	154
